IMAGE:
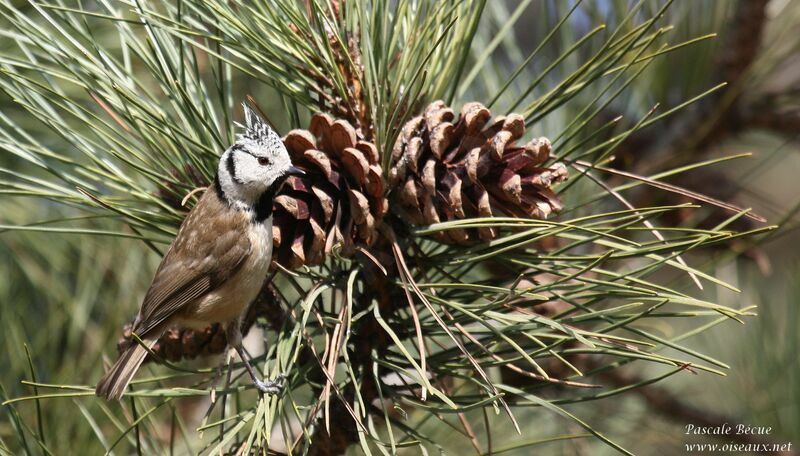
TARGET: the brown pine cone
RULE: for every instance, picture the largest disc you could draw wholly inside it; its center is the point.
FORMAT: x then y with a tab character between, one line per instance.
339	202
448	170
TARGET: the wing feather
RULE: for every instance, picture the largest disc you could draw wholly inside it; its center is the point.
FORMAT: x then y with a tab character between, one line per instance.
173	303
208	249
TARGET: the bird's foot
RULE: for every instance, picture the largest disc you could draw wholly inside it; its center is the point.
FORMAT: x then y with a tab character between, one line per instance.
272	387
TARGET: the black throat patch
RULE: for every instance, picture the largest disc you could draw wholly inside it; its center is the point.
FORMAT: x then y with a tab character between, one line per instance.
262	210
263	207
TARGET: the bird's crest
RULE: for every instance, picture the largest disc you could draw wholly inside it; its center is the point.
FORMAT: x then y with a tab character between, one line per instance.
256	128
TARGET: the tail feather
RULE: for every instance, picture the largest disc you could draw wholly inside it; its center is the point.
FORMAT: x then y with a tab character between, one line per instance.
116	380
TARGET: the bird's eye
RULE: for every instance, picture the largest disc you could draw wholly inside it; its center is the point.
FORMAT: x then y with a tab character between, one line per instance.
263	161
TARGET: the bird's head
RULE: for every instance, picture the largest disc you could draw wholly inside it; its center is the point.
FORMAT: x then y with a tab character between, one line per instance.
256	164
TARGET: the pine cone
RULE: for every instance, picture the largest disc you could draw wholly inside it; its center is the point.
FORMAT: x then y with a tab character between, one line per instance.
338	202
444	170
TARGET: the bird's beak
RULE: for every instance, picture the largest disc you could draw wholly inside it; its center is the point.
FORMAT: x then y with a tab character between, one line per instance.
295	171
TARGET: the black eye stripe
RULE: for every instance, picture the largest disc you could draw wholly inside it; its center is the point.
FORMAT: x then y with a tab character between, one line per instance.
231	163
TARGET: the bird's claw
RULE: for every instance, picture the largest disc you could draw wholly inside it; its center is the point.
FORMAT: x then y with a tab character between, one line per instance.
272	387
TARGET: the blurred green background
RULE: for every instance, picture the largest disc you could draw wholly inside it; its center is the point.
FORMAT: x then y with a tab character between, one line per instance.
64	298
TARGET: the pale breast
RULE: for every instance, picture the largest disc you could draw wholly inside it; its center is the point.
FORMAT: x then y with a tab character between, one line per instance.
231	299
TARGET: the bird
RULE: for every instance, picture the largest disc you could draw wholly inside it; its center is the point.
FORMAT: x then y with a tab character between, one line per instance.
220	257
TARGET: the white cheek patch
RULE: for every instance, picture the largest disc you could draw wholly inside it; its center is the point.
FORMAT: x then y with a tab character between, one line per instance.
244	166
